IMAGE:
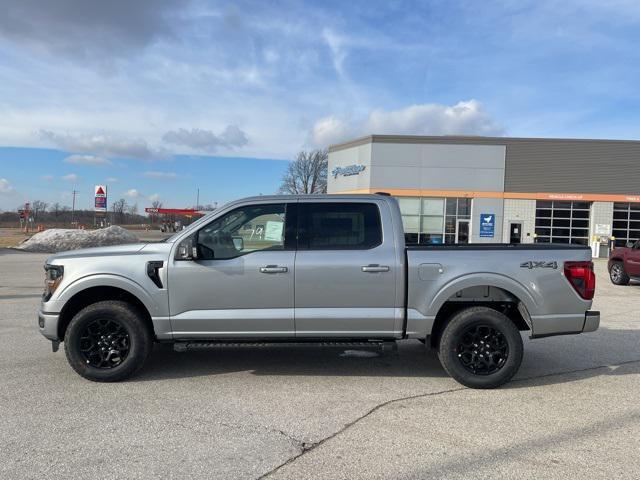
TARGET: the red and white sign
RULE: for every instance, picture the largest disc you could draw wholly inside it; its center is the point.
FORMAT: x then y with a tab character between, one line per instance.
173	211
101	198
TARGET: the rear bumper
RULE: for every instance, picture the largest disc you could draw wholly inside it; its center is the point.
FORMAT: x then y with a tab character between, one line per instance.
591	321
48	325
552	325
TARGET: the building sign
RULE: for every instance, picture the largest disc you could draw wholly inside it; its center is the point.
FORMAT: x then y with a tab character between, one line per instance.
487	225
101	198
603	229
347	171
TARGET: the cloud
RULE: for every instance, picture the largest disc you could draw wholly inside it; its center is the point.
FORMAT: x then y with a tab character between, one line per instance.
336	46
48	178
133	193
160	175
463	118
72	177
103	144
5	186
87	30
329	130
198	139
154	197
87	160
111	179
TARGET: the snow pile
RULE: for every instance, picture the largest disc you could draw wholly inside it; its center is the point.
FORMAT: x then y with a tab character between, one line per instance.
61	239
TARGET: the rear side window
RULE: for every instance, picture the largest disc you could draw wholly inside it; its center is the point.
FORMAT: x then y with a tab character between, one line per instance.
338	226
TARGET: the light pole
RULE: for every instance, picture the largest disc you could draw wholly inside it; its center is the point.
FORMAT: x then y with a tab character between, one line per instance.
73	206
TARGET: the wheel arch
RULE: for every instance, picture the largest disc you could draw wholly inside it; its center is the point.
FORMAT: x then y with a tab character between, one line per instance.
497	295
94	294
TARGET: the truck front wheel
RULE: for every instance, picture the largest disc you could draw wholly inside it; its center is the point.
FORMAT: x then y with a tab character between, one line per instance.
481	348
107	341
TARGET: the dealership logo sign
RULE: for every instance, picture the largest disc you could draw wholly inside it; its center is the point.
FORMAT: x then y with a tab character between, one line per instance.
347	171
487	224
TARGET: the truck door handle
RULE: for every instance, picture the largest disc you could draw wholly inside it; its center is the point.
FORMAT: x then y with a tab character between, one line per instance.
273	269
375	268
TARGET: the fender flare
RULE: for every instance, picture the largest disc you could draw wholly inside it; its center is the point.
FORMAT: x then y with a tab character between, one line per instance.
482	279
109	280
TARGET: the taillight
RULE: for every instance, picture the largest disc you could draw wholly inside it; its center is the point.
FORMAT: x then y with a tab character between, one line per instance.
581	277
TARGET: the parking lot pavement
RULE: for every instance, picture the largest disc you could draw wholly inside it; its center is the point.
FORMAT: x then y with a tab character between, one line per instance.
302	413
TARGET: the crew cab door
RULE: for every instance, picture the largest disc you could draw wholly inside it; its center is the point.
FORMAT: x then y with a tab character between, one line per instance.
241	283
345	271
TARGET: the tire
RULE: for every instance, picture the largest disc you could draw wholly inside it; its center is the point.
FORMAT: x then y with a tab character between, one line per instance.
101	329
494	338
618	274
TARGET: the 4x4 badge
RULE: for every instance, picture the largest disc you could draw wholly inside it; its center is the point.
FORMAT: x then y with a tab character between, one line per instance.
543	264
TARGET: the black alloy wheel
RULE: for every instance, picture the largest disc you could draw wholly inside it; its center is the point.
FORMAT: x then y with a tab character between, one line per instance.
482	350
104	343
108	341
480	347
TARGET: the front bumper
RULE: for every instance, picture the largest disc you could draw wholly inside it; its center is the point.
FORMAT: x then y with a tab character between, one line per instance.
591	321
48	325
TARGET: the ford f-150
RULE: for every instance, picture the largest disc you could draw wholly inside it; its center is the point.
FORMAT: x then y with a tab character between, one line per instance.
313	269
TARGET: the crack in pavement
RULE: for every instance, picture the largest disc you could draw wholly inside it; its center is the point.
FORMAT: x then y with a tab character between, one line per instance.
347	426
295	441
299	444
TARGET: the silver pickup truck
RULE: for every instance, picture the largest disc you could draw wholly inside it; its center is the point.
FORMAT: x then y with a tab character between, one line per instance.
313	269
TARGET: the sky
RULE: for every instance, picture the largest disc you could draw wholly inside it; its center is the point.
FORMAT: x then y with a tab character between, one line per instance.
157	99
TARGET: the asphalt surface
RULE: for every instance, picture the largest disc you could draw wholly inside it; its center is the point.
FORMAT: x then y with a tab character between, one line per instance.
572	411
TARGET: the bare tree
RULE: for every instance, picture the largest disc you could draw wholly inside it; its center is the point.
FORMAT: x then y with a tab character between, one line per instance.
64	212
38	207
307	173
119	209
155	204
56	209
133	210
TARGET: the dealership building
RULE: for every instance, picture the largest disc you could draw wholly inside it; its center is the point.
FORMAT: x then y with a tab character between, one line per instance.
458	189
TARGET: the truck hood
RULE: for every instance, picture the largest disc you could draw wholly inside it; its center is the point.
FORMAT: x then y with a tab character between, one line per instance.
114	250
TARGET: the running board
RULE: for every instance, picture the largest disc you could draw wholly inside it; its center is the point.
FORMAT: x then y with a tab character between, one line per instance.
384	346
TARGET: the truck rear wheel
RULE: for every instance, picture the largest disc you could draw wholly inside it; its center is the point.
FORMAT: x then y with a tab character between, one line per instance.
481	348
107	341
618	275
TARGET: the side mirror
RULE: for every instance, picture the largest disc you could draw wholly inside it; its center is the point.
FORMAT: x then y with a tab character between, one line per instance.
187	250
630	244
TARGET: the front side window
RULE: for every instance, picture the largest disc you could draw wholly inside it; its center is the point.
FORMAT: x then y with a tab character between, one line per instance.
243	230
339	226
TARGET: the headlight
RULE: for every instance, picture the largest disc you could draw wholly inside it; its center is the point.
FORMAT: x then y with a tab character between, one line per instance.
52	278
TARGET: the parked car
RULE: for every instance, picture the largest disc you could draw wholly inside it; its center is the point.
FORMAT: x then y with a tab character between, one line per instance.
330	268
624	263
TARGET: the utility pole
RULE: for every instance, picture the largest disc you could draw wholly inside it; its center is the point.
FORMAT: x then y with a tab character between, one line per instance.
73	206
198	200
